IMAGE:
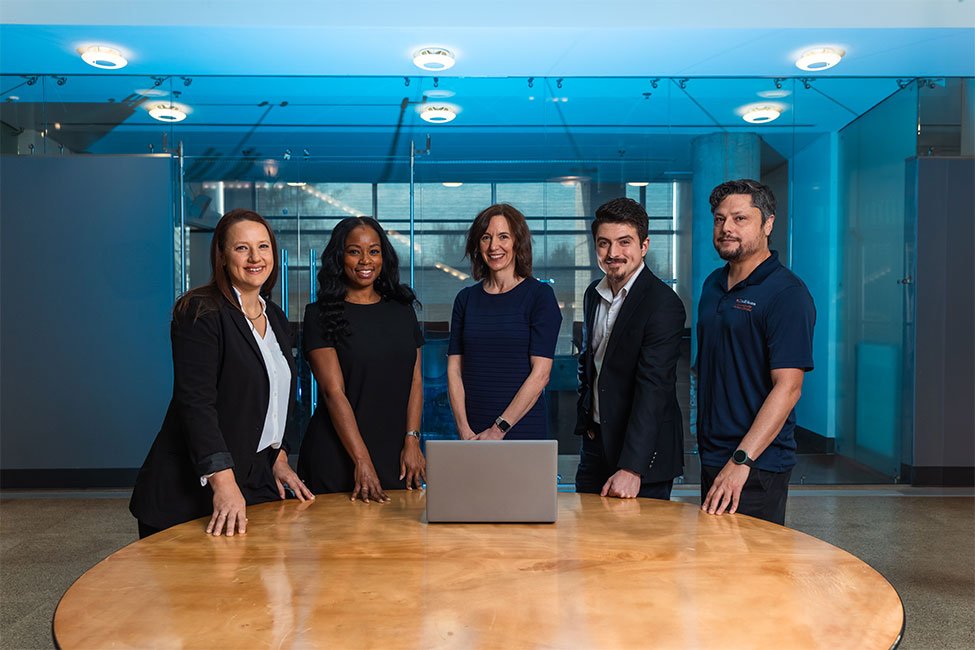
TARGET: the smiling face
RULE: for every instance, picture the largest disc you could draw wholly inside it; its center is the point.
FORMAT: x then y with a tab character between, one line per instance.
739	233
497	245
363	257
620	251
248	255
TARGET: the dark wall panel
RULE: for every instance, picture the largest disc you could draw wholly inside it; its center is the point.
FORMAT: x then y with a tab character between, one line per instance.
86	288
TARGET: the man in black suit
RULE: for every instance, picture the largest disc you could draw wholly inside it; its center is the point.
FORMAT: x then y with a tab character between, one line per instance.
628	415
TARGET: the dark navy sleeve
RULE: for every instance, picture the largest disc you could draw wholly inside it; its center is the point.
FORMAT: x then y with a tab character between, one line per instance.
456	345
417	332
545	320
789	329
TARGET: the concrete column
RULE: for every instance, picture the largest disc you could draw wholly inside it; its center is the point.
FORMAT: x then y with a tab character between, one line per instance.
717	157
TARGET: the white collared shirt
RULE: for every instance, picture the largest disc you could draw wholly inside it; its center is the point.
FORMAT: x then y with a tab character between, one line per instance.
607	311
279	383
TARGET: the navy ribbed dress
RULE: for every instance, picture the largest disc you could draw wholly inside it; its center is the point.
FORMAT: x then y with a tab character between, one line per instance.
496	334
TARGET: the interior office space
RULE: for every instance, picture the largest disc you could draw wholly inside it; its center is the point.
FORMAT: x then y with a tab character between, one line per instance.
313	113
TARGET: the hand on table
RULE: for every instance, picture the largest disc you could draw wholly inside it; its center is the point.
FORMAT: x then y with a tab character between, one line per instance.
367	486
623	484
229	507
285	477
726	489
412	464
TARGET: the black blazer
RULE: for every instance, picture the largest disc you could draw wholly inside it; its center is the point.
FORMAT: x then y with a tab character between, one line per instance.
215	418
641	427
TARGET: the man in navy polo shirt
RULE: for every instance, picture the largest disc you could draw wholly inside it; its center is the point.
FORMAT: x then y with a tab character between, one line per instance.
754	337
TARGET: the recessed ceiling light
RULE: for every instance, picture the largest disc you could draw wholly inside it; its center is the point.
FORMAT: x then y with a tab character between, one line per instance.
774	94
821	58
295	184
451	184
437	113
439	93
102	56
151	92
761	114
434	59
638	183
167	112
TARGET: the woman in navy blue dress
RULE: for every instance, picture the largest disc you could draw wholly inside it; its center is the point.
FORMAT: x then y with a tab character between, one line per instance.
502	334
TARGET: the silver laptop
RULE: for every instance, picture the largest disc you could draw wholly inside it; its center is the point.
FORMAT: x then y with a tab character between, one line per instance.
492	481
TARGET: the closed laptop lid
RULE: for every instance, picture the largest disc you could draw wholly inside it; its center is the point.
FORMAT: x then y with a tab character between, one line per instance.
492	481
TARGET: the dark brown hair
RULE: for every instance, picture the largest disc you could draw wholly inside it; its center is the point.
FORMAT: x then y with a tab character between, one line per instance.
762	196
625	211
219	284
519	231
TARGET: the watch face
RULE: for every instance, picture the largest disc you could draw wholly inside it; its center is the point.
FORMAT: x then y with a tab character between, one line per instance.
740	456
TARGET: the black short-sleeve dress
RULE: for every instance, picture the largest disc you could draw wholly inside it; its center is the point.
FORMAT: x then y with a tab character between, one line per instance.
377	362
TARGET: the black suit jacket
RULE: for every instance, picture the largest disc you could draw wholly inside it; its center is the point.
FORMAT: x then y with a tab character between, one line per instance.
641	427
215	417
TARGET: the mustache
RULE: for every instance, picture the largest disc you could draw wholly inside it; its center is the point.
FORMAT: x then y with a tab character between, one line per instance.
612	260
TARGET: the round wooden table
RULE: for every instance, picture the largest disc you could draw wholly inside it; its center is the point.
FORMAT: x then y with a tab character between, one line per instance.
609	574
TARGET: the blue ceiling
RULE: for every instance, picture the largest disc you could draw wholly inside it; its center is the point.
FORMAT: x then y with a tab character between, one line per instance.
336	80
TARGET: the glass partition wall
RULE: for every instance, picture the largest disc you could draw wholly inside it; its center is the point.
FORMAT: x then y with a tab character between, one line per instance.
307	152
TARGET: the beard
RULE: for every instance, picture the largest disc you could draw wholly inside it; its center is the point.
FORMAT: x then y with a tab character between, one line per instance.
737	252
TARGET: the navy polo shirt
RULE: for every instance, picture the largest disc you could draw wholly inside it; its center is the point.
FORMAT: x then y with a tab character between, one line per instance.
763	323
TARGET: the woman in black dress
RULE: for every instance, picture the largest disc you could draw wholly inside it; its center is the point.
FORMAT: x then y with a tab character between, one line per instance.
362	340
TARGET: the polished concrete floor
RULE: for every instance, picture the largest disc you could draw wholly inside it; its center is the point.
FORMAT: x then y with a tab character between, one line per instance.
921	540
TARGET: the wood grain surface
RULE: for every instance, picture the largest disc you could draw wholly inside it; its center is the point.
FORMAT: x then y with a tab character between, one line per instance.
609	574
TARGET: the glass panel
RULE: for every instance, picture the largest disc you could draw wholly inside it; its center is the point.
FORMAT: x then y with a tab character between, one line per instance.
309	151
872	407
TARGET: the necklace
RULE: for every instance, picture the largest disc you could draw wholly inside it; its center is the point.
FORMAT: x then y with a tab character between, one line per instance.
261	313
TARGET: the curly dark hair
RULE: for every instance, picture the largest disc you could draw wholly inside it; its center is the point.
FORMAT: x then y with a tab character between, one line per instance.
333	285
762	196
208	296
519	231
622	210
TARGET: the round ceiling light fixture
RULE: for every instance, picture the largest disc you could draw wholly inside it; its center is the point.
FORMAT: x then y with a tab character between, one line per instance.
451	184
638	183
821	58
761	114
433	59
170	113
437	113
103	56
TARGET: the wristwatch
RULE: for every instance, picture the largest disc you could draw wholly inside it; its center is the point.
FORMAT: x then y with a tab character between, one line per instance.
741	458
502	424
415	434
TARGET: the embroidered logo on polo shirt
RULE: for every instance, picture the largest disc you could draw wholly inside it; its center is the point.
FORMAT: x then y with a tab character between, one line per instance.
743	304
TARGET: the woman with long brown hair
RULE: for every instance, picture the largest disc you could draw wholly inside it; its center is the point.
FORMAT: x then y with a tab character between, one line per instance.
221	446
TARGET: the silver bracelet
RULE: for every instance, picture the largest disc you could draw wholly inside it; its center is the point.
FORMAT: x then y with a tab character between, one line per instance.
415	434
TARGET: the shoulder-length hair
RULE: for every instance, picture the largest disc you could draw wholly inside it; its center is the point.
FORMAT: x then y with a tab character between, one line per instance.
333	284
519	231
220	286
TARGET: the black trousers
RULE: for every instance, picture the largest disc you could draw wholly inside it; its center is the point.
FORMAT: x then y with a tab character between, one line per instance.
594	471
763	495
